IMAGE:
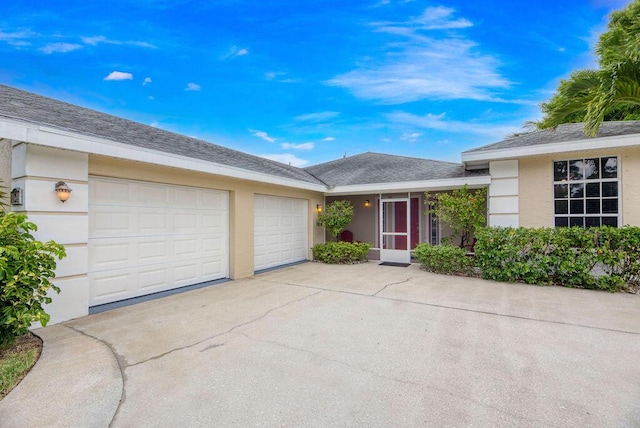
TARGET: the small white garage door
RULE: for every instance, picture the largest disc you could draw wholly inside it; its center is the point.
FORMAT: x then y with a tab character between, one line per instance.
149	237
280	231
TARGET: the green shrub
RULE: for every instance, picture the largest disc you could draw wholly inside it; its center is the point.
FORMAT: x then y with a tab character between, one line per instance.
445	259
26	265
341	252
603	258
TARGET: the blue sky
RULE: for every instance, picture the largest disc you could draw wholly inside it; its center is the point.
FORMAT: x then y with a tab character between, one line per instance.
304	82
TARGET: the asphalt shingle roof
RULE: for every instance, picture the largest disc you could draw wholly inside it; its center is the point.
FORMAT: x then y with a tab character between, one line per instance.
28	107
370	168
562	134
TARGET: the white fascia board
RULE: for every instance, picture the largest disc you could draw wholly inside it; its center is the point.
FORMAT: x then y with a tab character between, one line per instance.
410	186
61	139
546	149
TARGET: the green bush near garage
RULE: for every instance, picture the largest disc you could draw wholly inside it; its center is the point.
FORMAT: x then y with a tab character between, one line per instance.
26	269
445	259
603	258
341	252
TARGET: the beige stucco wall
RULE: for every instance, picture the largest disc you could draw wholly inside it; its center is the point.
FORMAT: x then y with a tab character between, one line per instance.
241	201
536	191
5	165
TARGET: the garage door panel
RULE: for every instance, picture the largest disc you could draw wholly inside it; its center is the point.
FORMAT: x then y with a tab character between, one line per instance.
109	255
213	222
185	273
212	246
153	194
110	192
152	278
186	247
109	286
110	222
273	239
280	231
153	251
187	198
150	222
148	237
211	269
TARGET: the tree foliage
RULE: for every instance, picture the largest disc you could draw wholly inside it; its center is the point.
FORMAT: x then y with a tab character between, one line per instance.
335	217
611	92
462	210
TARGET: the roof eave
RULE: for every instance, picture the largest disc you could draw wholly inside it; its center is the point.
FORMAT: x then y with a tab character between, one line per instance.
61	139
474	160
410	186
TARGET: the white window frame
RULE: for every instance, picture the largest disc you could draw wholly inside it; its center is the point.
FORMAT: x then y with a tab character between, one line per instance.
584	181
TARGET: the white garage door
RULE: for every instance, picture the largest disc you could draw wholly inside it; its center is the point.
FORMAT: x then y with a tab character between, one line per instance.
280	231
148	237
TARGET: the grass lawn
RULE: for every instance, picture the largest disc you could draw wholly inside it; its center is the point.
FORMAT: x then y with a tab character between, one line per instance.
17	360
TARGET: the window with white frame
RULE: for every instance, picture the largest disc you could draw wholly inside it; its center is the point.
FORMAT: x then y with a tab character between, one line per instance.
586	191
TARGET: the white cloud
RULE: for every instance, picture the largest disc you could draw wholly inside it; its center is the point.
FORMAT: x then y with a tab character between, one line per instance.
317	117
411	137
146	81
328	139
303	146
17	38
437	66
192	87
235	52
263	135
278	76
439	18
441	123
119	75
286	158
94	40
60	47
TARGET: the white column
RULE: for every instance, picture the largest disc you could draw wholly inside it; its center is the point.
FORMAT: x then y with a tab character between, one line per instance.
504	194
36	169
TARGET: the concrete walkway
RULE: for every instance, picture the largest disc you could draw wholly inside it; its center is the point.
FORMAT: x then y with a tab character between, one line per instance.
362	345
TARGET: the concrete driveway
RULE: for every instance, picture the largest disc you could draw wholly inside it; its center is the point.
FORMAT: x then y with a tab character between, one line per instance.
361	345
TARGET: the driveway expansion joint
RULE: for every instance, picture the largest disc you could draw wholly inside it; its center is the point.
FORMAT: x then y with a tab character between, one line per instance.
455	308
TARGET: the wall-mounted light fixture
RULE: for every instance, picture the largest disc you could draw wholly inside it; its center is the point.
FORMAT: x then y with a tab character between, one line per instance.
63	191
319	208
16	196
367	203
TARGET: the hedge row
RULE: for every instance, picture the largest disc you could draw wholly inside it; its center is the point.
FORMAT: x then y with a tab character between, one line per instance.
605	258
341	252
445	259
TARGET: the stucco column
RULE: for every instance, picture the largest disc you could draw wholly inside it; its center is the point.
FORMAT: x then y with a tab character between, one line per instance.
241	233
